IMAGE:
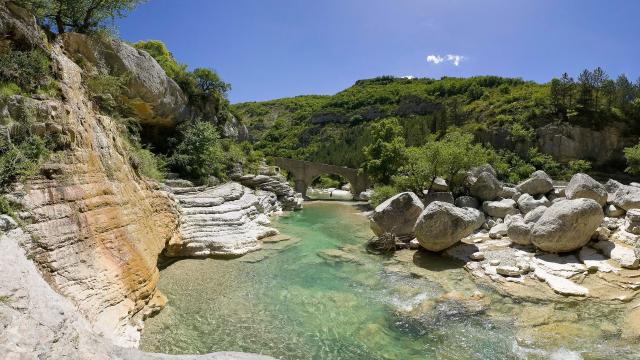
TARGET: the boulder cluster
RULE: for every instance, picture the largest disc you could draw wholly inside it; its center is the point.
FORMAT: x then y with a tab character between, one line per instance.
536	213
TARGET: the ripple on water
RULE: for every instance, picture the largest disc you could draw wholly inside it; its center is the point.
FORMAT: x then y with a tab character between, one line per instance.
295	304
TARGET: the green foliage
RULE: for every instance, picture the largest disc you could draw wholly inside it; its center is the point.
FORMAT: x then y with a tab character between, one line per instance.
327	182
29	70
382	193
83	16
632	154
21	158
449	158
578	166
6	207
209	82
386	153
165	59
199	153
545	162
9	89
146	163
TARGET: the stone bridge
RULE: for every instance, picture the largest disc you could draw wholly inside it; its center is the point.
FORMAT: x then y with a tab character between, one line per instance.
304	172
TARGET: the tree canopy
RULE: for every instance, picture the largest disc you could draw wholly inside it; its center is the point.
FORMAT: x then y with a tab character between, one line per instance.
82	16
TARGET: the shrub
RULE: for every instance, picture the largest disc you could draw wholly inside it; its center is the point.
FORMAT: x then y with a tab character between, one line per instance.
382	193
21	160
9	89
327	182
198	153
29	70
632	154
578	166
147	164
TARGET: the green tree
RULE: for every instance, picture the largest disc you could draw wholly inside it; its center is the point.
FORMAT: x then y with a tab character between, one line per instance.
209	82
386	152
161	54
632	154
449	158
81	16
199	153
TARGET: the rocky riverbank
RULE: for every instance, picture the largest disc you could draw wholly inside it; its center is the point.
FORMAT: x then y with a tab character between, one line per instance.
533	241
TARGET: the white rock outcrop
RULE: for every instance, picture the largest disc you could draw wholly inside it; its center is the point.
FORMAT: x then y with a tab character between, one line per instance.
227	220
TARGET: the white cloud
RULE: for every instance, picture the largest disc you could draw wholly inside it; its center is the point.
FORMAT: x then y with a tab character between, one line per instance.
436	59
452	58
455	59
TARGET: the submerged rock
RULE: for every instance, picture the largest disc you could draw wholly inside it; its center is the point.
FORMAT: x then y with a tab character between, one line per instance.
561	285
397	215
567	225
441	225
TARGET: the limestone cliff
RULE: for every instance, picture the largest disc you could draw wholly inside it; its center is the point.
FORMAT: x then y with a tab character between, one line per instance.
97	227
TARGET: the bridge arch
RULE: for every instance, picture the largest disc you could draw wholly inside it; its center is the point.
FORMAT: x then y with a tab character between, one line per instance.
304	172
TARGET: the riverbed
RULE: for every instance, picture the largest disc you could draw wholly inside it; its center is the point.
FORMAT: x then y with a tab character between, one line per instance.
320	295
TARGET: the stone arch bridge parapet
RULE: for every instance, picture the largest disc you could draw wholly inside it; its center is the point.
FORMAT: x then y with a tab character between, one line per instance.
304	172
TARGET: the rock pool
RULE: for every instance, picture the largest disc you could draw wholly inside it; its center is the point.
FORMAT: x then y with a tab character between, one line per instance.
320	295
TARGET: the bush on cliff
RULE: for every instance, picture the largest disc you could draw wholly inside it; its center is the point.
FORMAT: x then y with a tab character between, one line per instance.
28	70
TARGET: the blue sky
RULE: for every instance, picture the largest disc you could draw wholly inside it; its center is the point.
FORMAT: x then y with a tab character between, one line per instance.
270	49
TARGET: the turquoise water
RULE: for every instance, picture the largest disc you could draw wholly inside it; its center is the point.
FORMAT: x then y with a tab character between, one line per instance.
321	296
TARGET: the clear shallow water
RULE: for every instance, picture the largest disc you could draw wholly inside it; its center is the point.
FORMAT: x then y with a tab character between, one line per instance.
295	301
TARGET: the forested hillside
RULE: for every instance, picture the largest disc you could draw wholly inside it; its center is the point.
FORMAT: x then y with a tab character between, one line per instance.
502	113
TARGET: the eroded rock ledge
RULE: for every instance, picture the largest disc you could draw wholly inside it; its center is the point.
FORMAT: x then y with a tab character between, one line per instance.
227	220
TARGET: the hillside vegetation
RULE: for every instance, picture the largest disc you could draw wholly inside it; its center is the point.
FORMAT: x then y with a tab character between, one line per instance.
336	129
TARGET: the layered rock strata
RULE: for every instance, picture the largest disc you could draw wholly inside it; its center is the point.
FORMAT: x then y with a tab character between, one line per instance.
227	220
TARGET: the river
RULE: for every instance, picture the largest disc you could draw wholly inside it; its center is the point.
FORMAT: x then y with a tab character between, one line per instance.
320	295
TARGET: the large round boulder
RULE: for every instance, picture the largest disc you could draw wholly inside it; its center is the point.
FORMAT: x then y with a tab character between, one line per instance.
538	183
567	225
486	187
584	186
441	225
397	215
500	209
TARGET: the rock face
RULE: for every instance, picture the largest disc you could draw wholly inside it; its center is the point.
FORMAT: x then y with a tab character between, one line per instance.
500	209
155	97
584	186
97	226
566	143
441	225
397	215
567	225
227	220
486	187
623	196
538	183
